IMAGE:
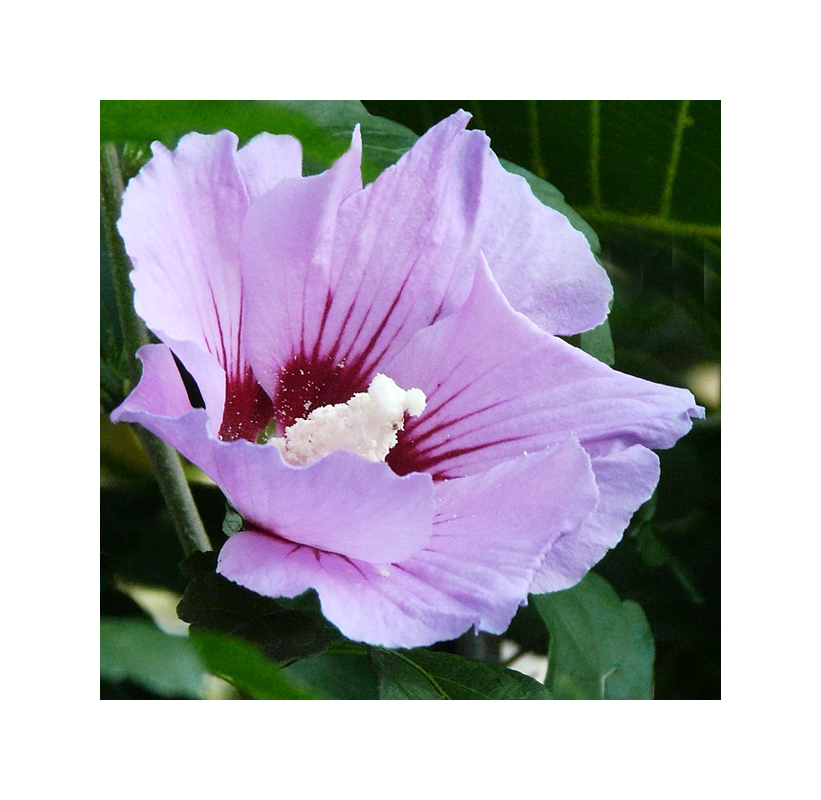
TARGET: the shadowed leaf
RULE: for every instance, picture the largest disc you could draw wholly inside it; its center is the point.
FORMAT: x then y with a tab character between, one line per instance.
283	630
429	675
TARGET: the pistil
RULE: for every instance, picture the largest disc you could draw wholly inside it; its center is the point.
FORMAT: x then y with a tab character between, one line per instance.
367	424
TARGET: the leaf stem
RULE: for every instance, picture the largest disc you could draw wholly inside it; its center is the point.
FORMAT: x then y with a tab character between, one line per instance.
672	168
433	682
164	460
651	222
175	491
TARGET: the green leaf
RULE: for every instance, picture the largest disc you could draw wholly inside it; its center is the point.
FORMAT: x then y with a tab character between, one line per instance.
661	159
244	666
601	647
137	651
324	128
429	675
383	141
283	630
599	343
140	121
338	674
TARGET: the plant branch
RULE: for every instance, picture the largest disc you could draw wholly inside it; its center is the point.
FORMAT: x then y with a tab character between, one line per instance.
175	491
111	192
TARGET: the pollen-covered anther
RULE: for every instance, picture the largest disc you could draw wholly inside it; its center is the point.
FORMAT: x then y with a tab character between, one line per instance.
367	424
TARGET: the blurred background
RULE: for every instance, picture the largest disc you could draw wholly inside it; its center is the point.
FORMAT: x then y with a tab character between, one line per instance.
646	176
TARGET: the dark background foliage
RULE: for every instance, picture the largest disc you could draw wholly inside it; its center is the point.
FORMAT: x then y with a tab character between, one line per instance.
646	176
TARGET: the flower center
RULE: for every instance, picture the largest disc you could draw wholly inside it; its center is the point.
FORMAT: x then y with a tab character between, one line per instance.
367	424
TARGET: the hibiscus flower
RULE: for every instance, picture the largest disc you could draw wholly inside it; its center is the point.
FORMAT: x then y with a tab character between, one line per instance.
386	401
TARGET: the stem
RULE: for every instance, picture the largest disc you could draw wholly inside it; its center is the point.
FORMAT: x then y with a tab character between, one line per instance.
164	459
175	491
672	168
111	192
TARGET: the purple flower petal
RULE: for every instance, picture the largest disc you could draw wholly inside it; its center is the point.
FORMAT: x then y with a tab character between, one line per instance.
543	265
181	222
341	504
626	479
498	386
160	390
266	160
491	533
